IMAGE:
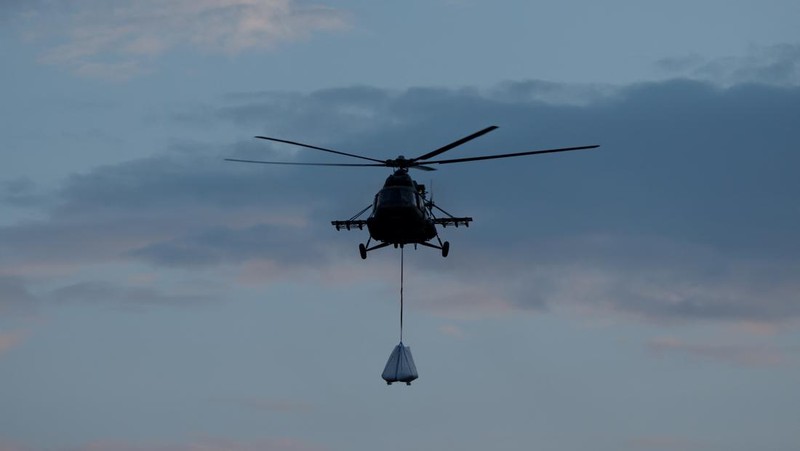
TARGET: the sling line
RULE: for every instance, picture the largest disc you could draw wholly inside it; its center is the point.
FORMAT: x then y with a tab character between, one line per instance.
401	294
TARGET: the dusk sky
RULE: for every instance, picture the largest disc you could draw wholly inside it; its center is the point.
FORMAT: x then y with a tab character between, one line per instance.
643	296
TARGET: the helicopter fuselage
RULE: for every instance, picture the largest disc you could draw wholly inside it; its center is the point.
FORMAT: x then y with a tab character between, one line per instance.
399	213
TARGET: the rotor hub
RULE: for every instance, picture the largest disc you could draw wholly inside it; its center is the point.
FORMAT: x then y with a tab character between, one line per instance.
400	162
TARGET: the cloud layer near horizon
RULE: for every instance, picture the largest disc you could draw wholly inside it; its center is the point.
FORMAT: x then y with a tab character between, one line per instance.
687	212
204	444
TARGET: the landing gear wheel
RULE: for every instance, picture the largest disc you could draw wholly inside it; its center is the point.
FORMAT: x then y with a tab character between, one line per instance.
445	248
363	251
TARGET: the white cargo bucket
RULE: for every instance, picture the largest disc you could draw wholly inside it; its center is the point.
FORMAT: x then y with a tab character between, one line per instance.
400	367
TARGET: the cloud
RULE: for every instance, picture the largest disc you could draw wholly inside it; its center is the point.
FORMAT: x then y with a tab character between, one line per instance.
231	245
775	65
554	93
273	405
20	191
111	71
451	330
686	213
139	207
6	445
666	442
106	293
116	40
15	296
204	444
661	280
9	340
738	355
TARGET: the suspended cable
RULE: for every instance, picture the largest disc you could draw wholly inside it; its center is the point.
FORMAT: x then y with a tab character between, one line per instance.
401	294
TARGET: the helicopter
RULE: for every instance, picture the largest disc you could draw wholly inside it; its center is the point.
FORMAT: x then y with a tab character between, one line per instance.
401	212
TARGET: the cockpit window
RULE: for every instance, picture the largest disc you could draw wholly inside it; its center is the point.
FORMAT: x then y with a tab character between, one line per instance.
395	197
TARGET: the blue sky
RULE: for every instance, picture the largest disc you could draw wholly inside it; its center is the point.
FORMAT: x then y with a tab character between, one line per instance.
643	296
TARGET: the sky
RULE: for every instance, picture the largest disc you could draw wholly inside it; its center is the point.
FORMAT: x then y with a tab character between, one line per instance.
642	296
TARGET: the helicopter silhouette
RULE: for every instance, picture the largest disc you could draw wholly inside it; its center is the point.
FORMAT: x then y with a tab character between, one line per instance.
402	213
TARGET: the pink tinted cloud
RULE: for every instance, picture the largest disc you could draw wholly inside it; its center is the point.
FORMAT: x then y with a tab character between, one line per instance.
277	405
206	444
11	446
667	443
734	354
116	40
451	330
9	340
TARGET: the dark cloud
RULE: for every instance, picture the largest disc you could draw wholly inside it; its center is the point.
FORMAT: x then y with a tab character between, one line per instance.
687	211
20	191
15	297
114	295
164	181
221	245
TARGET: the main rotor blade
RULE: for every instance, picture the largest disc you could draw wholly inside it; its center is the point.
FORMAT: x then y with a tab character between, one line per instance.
302	164
455	144
318	148
509	155
422	167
